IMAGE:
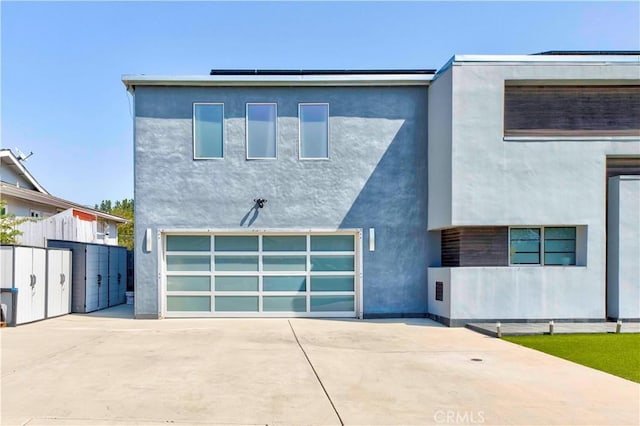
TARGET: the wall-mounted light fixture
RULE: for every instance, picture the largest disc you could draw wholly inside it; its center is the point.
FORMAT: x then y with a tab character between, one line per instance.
260	202
147	240
372	239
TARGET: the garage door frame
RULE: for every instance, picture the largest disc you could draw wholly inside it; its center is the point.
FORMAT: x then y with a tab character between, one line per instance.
162	233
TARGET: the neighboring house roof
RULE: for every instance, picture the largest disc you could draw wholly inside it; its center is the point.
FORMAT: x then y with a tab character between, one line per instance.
50	200
11	162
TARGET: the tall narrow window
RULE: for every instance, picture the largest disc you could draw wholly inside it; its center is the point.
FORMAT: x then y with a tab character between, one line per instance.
261	131
208	132
314	131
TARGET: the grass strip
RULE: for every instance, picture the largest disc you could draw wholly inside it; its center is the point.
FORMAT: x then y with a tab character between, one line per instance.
617	354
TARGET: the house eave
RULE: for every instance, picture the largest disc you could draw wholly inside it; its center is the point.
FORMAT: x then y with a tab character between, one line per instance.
49	200
132	80
546	59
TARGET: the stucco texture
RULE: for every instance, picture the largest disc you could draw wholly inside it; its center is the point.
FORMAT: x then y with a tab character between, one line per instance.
375	177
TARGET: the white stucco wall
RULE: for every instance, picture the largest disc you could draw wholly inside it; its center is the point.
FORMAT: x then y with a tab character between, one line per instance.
527	180
498	181
441	308
623	267
439	152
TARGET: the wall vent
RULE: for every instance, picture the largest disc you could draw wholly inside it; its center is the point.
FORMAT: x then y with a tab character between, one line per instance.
439	290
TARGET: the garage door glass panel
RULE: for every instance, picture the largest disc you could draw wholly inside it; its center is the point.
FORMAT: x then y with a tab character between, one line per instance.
331	303
284	243
236	283
284	304
332	243
236	263
188	263
332	263
189	303
237	303
184	283
284	263
332	283
236	243
188	243
284	283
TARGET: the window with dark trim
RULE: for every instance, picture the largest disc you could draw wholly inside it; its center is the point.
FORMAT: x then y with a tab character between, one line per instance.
553	246
560	246
525	246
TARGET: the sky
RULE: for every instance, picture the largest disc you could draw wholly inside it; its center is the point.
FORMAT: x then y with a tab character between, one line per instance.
61	62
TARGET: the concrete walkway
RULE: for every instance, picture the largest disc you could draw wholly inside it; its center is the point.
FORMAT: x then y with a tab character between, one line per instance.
522	329
106	369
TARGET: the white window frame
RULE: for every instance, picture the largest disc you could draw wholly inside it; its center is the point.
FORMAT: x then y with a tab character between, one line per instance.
246	129
300	157
193	131
36	214
541	252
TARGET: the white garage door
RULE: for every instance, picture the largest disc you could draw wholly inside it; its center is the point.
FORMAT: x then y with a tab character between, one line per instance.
262	274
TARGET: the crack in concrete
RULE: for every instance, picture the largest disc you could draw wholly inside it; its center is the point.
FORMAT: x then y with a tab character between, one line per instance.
316	373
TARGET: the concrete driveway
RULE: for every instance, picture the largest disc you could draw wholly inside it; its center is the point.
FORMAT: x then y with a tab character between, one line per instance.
102	370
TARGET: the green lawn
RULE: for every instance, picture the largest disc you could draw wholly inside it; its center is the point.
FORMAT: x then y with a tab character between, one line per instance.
617	354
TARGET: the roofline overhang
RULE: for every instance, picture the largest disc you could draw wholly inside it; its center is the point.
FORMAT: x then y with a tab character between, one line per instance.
551	59
421	79
23	170
547	59
49	200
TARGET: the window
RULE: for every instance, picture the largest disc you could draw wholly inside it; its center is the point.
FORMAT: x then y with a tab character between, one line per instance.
571	110
261	131
559	246
314	131
35	213
527	248
208	130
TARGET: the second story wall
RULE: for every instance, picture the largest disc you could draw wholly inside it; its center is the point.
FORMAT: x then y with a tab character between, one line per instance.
367	126
375	176
511	180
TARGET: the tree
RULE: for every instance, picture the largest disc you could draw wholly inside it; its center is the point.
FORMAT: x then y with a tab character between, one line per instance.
9	232
123	209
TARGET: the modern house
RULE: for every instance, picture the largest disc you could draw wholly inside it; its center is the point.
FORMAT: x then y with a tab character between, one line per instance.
53	217
498	187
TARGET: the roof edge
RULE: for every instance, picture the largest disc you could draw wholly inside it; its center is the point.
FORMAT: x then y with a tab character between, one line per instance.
382	79
6	152
39	197
551	58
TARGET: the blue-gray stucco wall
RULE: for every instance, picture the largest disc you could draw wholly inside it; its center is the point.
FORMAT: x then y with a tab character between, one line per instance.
376	177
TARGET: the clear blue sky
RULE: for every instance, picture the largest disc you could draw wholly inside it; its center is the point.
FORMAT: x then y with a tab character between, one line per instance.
62	97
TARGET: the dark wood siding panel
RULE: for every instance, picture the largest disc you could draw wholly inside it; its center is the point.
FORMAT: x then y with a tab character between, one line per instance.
450	247
475	246
484	246
572	110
